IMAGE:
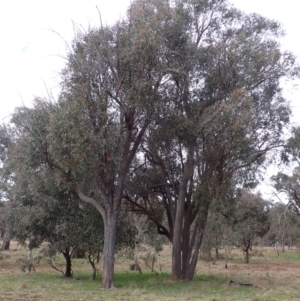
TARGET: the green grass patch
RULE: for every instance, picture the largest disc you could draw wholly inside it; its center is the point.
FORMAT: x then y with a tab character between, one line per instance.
273	278
49	286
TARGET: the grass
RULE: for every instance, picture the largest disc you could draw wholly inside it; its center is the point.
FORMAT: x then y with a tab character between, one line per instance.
274	278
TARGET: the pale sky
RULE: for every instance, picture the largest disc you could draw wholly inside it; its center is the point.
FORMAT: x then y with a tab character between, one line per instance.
31	53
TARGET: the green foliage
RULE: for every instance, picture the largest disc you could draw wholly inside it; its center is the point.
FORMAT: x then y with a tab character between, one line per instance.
223	113
28	265
240	222
38	210
170	109
251	220
285	224
289	185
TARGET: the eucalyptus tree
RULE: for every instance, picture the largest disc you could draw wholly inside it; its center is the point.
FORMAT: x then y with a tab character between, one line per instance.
225	112
110	89
288	182
250	220
41	207
4	142
191	88
285	217
284	226
38	210
109	93
3	227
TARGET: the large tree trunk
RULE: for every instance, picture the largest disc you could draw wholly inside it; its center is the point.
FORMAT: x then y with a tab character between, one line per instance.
6	242
190	252
179	217
191	241
68	272
110	218
189	272
194	247
110	228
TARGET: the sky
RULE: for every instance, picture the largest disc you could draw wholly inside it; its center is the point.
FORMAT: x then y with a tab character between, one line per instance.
34	37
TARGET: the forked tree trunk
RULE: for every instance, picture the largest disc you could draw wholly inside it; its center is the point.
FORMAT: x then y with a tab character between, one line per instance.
110	228
92	263
246	250
191	242
179	217
110	217
194	247
68	272
188	258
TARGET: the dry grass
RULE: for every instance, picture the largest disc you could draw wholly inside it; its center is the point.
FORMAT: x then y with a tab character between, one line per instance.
274	278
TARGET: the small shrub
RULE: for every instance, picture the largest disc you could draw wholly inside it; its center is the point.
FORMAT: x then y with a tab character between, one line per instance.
27	265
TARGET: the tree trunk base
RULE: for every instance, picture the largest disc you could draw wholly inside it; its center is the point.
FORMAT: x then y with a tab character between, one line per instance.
113	287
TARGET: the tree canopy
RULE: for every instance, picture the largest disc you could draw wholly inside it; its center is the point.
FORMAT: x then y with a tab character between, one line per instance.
169	111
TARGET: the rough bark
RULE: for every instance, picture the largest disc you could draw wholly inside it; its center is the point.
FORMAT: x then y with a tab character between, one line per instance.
246	250
92	263
68	271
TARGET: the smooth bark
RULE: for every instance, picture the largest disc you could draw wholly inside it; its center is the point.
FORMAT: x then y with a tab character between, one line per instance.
108	280
6	242
178	224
